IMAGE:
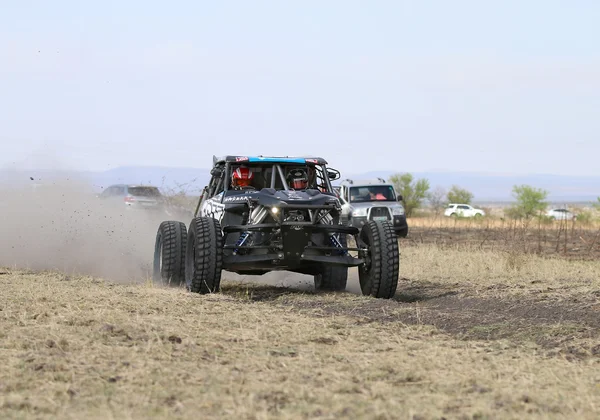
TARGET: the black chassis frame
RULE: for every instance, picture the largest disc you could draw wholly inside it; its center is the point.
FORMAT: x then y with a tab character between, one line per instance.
293	253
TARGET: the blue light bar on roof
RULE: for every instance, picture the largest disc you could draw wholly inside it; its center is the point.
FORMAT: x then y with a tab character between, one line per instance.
276	159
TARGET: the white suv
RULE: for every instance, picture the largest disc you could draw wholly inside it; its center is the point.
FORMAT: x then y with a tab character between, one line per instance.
560	214
463	210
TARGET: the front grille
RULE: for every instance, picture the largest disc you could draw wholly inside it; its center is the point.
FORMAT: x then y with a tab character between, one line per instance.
377	212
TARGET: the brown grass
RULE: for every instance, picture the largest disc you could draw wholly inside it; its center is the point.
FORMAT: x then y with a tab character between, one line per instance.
478	272
437	222
481	326
78	347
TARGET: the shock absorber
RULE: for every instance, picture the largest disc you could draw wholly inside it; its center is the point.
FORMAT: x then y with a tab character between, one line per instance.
241	241
336	243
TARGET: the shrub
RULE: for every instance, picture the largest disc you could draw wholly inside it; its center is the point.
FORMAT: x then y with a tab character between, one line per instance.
530	202
459	195
585	217
413	191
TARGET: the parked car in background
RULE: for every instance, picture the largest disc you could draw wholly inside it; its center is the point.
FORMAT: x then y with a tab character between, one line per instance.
560	214
462	210
135	196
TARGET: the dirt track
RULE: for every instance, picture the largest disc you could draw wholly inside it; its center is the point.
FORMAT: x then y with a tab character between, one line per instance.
79	347
568	326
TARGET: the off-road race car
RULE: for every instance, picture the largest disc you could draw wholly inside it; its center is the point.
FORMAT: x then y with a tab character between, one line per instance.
260	214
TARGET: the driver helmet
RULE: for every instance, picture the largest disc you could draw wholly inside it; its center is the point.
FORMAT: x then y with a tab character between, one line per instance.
242	177
298	179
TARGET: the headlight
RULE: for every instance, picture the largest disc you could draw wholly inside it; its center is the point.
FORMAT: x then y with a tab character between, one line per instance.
398	211
359	212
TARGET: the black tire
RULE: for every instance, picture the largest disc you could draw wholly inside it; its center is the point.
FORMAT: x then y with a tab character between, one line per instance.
204	256
333	277
169	254
379	276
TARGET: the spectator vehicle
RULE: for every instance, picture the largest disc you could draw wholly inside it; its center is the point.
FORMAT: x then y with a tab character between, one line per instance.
462	210
367	200
135	196
560	214
259	214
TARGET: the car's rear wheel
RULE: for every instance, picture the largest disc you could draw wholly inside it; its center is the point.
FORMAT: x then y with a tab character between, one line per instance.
169	254
378	277
333	277
204	256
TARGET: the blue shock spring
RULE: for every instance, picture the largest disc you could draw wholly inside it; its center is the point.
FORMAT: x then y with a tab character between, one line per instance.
336	243
241	240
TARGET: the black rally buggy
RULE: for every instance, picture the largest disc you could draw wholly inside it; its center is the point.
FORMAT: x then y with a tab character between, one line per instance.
270	226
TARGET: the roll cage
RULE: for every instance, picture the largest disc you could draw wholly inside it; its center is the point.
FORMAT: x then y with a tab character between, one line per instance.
220	181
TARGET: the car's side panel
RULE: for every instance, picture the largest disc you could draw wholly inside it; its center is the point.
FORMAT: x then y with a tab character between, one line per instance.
213	208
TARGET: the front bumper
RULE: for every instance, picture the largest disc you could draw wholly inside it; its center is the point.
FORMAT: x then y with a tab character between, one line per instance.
294	251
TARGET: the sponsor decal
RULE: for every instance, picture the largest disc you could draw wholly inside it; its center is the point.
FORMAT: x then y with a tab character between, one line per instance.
235	198
292	195
241	158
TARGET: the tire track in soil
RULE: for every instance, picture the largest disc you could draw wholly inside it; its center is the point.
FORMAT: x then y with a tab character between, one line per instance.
451	310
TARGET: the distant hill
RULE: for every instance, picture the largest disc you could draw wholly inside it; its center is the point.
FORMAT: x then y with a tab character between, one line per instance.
486	187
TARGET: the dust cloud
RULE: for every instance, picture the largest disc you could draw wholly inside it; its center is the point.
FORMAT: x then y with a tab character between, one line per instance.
62	225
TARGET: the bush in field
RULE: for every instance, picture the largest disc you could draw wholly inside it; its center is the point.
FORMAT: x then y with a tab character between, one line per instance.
585	217
459	195
546	220
436	199
530	202
413	191
597	204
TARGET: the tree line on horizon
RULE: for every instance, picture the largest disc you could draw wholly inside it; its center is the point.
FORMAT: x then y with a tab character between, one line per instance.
530	201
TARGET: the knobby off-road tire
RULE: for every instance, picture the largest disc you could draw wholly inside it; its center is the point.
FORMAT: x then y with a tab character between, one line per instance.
379	277
333	277
204	256
169	254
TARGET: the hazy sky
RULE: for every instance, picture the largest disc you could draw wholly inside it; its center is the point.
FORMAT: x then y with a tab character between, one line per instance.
504	86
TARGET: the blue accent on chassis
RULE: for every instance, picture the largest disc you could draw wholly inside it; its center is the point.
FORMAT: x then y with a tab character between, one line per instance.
254	159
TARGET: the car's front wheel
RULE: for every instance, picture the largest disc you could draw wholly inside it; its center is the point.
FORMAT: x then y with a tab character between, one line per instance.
204	256
378	277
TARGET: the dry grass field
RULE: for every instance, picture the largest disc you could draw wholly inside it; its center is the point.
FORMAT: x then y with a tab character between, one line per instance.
470	334
491	320
567	239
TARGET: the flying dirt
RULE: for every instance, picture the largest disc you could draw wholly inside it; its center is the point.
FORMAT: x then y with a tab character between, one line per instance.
63	226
